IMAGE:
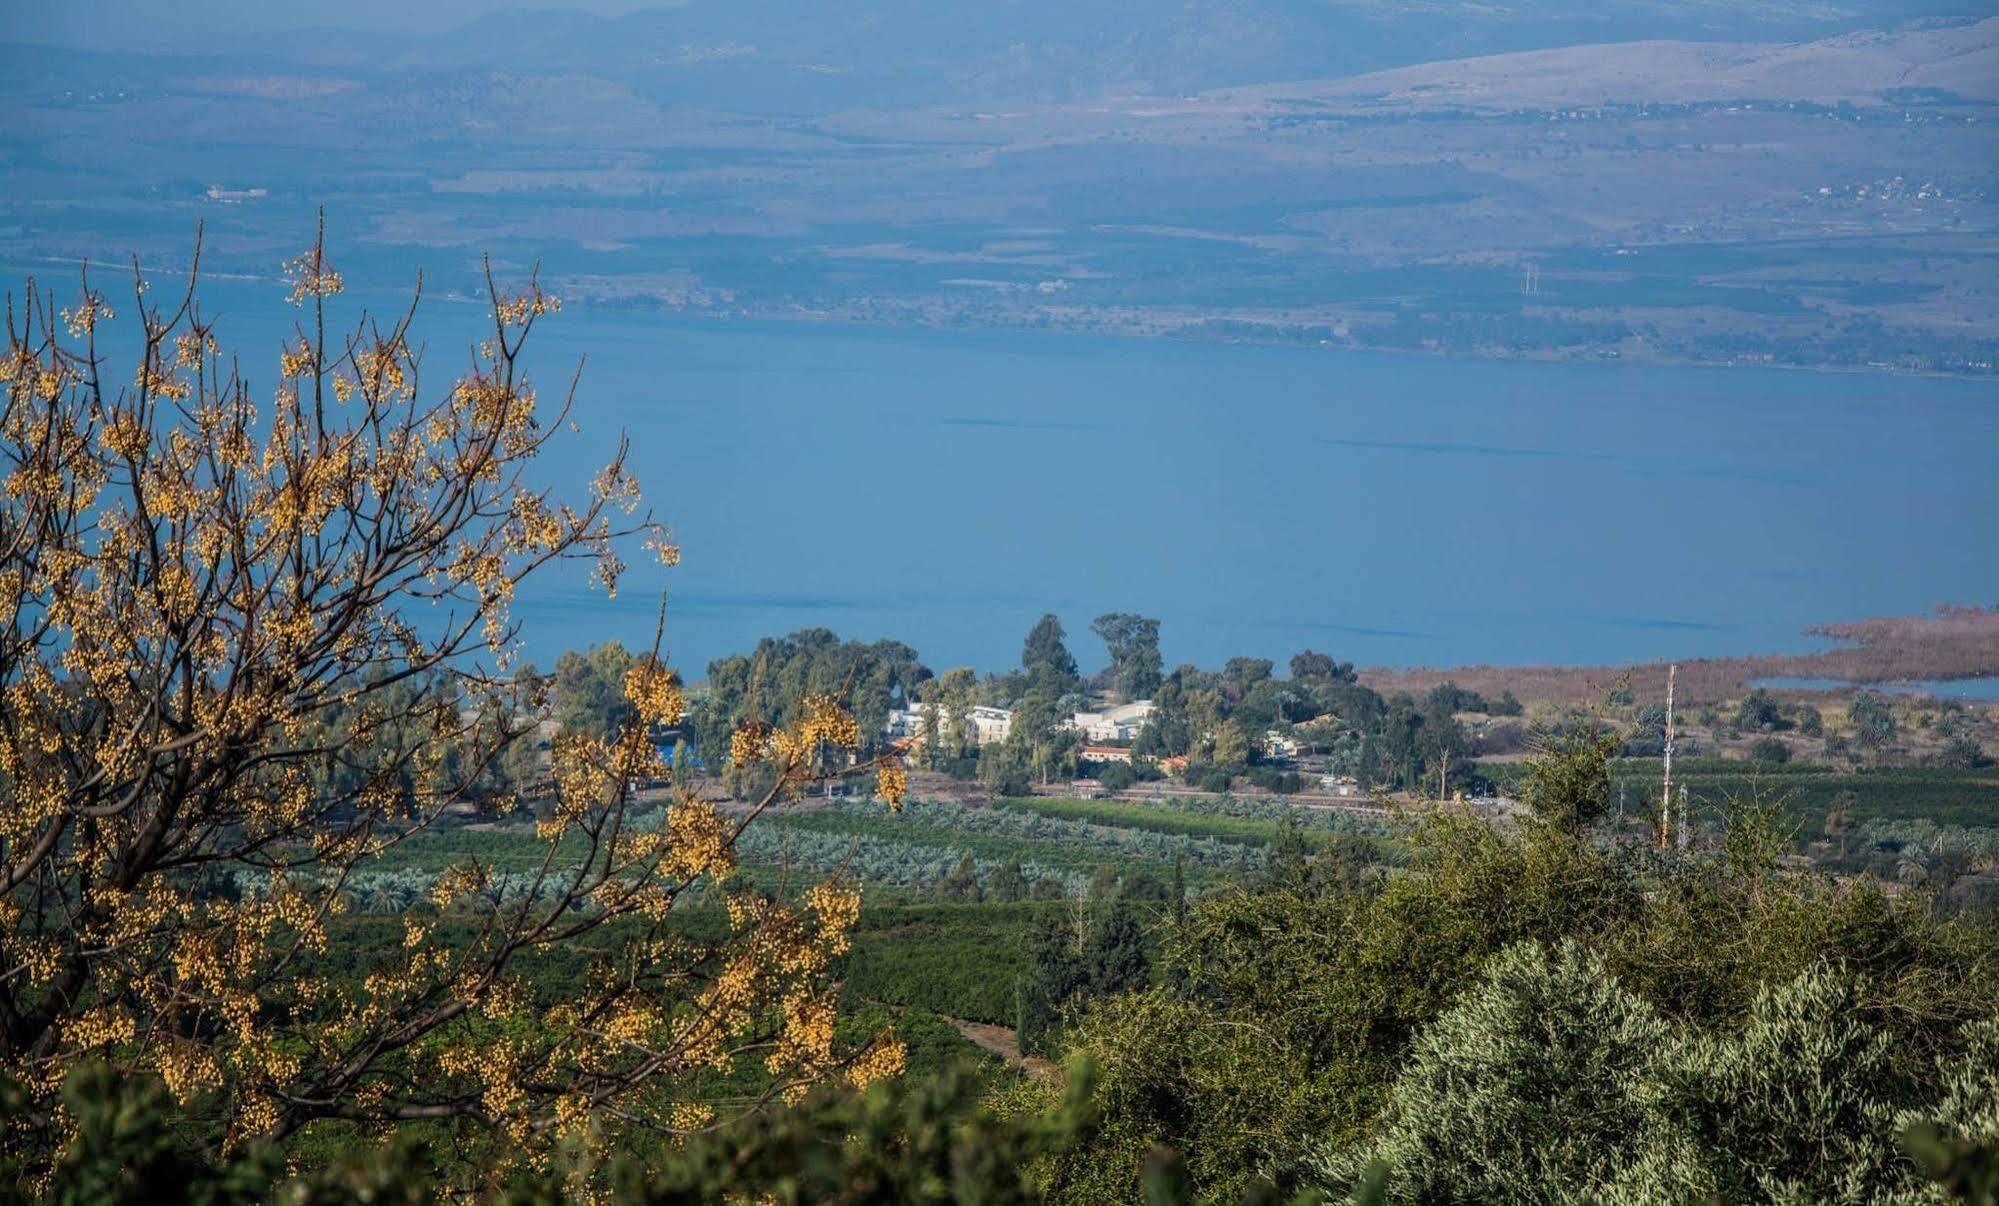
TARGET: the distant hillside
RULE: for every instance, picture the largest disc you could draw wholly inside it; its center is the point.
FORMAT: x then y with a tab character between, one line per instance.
1434	178
804	56
1962	61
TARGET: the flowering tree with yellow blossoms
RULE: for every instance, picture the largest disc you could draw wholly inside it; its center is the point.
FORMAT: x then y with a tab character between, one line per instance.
243	636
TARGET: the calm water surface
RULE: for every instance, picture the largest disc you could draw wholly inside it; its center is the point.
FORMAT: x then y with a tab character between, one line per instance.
946	489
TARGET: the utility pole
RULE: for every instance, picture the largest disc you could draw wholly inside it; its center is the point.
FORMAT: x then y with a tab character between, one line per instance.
1666	796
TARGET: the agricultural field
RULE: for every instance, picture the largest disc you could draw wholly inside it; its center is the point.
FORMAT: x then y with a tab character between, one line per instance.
1248	822
954	960
902	854
955	894
911	952
1941	798
1058	844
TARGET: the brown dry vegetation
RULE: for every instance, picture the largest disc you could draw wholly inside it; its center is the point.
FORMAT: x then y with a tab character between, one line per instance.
1954	643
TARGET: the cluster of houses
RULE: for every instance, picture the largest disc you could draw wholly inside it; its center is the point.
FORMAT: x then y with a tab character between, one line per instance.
1107	737
987	726
991	726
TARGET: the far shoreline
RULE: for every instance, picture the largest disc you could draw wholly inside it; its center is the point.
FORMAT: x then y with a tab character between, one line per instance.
1193	329
1953	644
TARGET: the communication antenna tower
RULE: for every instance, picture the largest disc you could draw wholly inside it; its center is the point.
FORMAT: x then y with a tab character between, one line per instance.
1666	795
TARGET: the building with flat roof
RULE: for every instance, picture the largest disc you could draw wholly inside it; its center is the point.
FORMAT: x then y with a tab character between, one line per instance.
990	726
1121	723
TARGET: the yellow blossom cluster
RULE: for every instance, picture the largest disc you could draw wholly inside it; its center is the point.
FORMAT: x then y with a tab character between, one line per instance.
517	310
654	691
891	783
823	720
100	1027
698	841
187	1068
456	882
535	529
820	726
632	1023
667	552
311	276
124	436
690	1115
158	379
192	347
882	1060
298	360
83	318
837	907
489	405
386	370
495	1066
749	742
614	483
807	1038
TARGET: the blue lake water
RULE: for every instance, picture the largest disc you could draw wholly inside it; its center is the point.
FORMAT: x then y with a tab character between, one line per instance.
1982	689
946	489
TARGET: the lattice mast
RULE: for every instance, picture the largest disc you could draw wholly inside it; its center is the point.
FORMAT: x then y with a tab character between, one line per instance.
1666	794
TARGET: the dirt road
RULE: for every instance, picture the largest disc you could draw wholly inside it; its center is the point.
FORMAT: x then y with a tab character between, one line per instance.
1003	1042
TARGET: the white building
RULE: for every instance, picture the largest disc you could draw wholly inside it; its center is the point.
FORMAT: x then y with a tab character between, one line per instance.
235	196
903	723
990	726
1115	724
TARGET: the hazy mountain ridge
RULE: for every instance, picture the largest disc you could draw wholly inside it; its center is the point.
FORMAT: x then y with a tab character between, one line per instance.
794	56
1709	210
1962	60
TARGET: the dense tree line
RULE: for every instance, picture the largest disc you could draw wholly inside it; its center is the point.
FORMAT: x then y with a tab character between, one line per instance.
1217	719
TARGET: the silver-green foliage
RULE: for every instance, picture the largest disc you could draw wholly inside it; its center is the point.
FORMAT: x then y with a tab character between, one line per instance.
1550	1082
1798	1105
878	859
1523	1092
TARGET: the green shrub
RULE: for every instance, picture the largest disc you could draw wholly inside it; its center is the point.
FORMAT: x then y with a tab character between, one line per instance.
1523	1092
1771	750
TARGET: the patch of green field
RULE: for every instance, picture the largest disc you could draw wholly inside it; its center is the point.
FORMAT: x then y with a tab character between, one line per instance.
924	840
1947	798
956	960
1261	827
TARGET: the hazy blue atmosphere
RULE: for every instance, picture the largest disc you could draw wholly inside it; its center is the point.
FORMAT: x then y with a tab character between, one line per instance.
198	24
